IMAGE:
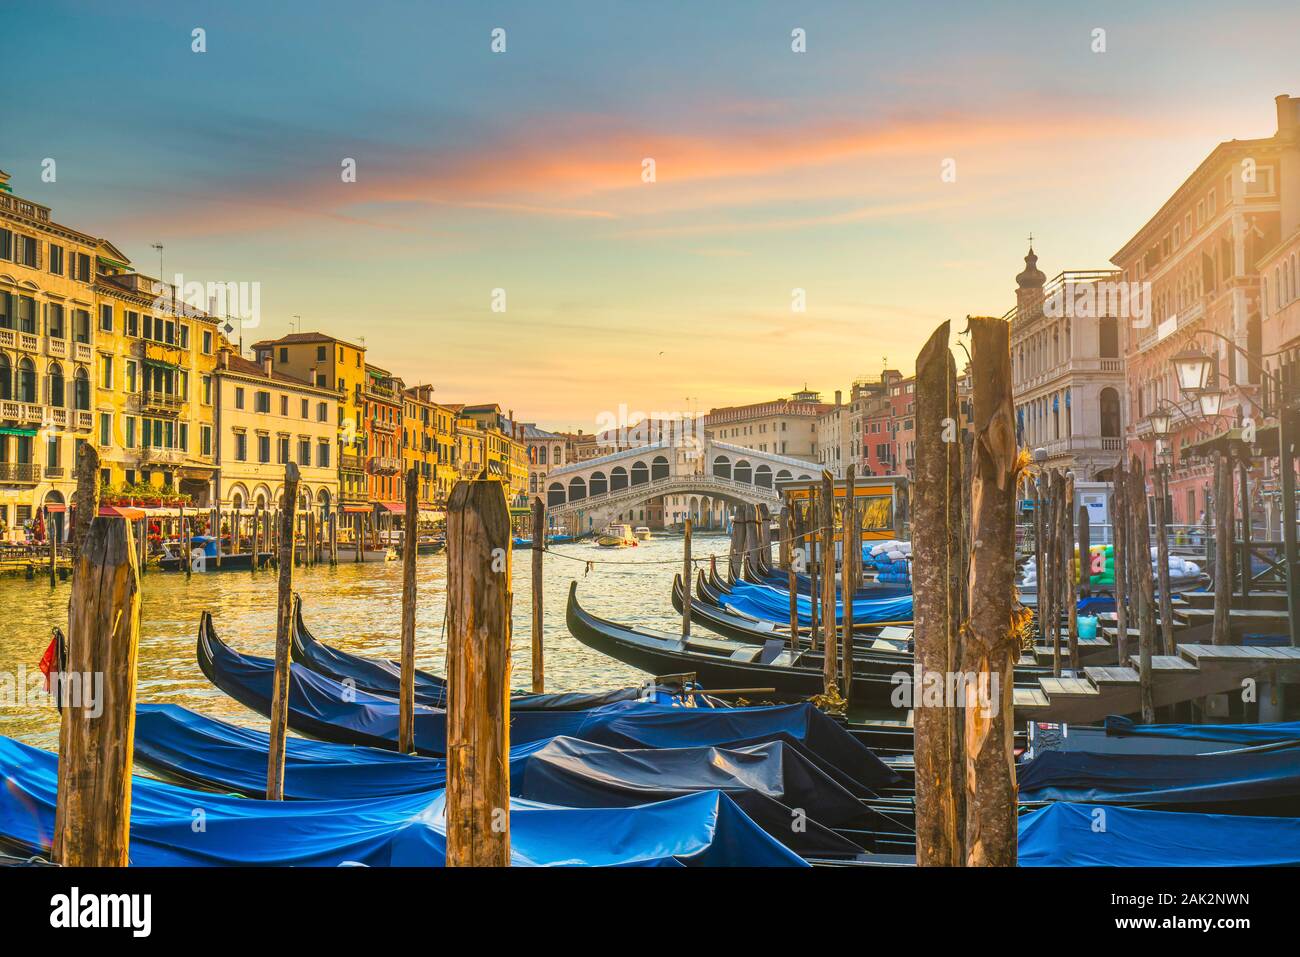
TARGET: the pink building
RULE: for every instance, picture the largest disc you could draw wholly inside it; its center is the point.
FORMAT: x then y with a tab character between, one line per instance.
1195	266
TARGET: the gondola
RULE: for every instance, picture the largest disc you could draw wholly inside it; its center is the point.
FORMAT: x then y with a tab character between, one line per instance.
755	632
720	663
384	678
770	604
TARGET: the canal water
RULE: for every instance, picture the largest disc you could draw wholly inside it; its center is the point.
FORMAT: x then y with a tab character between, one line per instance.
354	607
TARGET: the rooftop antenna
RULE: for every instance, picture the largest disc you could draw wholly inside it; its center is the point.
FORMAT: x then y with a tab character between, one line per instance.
159	247
296	325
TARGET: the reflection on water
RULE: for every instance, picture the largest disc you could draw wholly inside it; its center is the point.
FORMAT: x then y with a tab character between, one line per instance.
355	607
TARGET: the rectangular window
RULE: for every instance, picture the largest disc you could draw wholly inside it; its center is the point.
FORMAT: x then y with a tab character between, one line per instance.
6	244
130	375
320	353
83	267
206	385
105	428
239	397
130	431
304	451
304	406
284	405
183	440
263	448
205	439
284	355
183	334
241	447
262	402
323	454
56	260
105	318
282	449
207	342
105	372
27	248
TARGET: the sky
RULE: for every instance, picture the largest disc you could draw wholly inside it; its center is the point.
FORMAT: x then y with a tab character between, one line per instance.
502	239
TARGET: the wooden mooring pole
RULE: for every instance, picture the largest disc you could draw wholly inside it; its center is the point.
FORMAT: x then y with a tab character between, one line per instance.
794	550
478	675
851	543
686	579
1145	591
406	709
991	645
51	536
1223	529
92	818
539	549
1118	513
1070	589
830	680
1160	480
937	583
284	616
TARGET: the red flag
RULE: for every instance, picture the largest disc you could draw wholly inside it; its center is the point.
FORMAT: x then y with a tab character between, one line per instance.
47	662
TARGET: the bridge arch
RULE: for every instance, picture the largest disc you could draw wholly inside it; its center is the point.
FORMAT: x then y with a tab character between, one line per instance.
554	495
722	467
577	489
597	484
743	472
783	475
659	467
763	476
617	478
640	473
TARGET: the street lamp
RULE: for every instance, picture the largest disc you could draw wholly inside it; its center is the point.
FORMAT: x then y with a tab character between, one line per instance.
1160	421
1210	401
1193	368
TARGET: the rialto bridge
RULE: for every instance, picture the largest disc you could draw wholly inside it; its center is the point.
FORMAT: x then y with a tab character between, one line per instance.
661	484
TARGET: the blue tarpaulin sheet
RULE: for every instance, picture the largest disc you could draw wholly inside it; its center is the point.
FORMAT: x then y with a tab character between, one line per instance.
326	709
770	604
1161	778
1083	835
706	829
1244	734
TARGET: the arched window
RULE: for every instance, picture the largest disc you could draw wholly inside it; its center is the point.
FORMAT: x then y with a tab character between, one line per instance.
722	467
557	455
577	489
56	384
26	385
81	390
598	485
763	476
6	378
1110	427
640	473
617	478
1108	337
783	476
743	472
554	495
659	467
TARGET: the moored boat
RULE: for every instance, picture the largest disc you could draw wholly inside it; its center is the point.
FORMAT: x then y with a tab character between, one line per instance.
203	556
617	536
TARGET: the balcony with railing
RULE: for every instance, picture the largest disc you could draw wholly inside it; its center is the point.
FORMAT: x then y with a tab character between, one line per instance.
20	473
163	403
56	348
385	465
82	352
350	462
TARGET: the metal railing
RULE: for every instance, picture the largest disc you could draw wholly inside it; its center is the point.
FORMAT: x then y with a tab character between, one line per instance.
23	473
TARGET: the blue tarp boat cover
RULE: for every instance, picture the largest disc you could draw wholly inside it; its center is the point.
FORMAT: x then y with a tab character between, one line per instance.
326	709
174	826
1161	778
1083	835
770	604
1243	734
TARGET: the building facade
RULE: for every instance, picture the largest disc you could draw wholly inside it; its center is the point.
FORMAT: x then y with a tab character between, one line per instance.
382	412
265	418
783	426
47	358
1199	261
1067	372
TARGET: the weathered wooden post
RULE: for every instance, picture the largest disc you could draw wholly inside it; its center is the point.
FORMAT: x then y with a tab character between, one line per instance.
1085	552
283	623
1057	582
686	578
539	548
334	538
184	544
92	819
814	570
937	535
1070	593
478	675
406	709
1222	632
850	539
1141	557
1244	561
830	682
991	645
1119	559
358	538
792	577
1161	482
52	536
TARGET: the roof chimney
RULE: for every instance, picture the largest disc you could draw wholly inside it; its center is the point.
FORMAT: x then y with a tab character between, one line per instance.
267	356
838	396
1288	114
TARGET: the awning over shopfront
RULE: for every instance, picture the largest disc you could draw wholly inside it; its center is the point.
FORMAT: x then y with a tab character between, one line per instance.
128	512
396	508
353	509
1232	441
24	433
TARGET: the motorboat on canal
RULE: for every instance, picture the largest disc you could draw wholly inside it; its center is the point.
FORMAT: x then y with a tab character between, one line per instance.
203	556
617	536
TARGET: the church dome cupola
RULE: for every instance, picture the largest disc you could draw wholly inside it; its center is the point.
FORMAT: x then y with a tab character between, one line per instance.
1032	277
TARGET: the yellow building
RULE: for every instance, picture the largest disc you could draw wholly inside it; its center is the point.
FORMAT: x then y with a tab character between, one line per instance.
428	442
47	298
330	362
264	419
154	358
505	453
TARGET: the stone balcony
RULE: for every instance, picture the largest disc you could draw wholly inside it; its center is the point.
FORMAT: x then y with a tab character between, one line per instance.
384	465
20	473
